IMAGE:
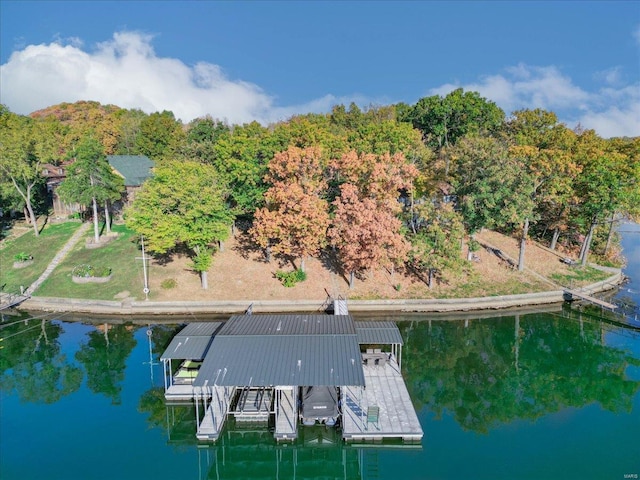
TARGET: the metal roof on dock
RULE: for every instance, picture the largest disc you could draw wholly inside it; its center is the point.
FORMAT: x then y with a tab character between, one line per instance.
271	350
378	333
192	342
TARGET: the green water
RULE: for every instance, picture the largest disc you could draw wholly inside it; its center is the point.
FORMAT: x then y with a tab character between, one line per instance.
536	396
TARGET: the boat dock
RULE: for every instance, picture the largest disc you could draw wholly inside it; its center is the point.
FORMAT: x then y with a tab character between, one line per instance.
260	369
383	410
572	294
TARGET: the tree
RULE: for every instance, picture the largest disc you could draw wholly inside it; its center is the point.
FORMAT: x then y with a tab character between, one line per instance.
182	204
295	219
241	157
90	180
544	147
365	233
18	159
603	189
433	245
494	189
160	134
444	120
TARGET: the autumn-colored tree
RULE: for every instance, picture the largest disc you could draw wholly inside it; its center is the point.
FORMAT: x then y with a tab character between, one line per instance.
295	219
381	177
365	233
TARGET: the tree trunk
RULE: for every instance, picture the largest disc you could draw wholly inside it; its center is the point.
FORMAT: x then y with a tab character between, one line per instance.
267	253
554	240
523	245
430	282
96	228
584	254
204	280
610	235
107	217
221	245
27	203
351	279
302	264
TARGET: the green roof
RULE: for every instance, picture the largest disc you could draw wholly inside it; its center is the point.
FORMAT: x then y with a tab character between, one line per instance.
135	169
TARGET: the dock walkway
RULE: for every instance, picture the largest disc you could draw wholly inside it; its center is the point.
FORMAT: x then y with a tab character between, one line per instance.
585	296
286	419
386	390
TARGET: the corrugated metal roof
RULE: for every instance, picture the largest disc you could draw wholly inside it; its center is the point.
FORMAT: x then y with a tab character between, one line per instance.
249	325
192	341
378	332
201	328
269	360
187	347
135	169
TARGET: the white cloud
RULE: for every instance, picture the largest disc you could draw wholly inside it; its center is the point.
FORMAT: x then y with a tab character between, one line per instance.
613	110
127	72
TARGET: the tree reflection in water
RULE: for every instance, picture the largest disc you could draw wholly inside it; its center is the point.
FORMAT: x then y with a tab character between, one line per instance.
495	371
33	364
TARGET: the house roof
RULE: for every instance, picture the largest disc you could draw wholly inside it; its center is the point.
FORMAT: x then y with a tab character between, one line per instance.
135	169
297	350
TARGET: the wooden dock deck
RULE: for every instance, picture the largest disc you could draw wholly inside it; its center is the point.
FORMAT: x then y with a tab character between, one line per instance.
385	391
179	393
585	296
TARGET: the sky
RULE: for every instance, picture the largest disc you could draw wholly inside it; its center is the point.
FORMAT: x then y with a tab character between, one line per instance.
264	60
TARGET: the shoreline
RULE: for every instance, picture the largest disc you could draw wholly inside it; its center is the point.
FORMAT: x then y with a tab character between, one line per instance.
450	305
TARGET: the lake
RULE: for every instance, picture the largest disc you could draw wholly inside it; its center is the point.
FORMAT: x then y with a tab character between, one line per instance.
542	395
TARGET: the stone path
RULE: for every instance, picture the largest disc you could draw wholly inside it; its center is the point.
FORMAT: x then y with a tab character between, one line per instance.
58	258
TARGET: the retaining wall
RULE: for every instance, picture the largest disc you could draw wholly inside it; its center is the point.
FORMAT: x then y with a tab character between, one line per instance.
128	307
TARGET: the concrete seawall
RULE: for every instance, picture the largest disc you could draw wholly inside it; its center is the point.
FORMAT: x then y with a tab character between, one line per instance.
128	307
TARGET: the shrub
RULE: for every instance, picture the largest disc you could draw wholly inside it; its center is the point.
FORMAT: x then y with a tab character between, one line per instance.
22	257
289	279
90	271
169	283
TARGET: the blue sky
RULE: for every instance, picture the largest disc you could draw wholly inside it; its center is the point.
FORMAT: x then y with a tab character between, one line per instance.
266	60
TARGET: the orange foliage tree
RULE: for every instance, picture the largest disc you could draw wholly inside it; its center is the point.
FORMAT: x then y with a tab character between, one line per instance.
295	219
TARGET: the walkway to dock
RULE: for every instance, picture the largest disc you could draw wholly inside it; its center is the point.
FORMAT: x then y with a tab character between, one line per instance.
214	416
585	296
75	238
286	419
386	390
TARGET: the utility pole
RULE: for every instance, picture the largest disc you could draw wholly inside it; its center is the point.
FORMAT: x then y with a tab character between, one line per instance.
145	290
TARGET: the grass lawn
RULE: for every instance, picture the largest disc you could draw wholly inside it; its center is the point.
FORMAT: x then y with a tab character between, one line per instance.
580	276
43	248
119	255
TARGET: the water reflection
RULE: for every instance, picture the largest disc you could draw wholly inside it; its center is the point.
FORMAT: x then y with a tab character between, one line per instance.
33	364
488	373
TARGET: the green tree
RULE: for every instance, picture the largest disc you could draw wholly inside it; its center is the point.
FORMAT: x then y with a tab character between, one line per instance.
494	189
444	120
18	159
241	157
433	244
182	204
90	180
160	135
